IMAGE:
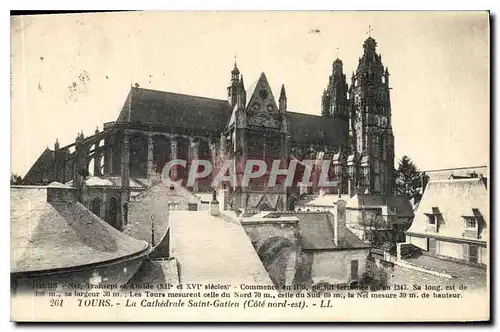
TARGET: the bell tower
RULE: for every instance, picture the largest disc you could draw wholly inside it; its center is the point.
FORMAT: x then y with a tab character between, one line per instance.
234	88
370	122
334	100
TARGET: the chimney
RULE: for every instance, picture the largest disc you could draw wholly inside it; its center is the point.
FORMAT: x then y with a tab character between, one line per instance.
339	221
214	205
60	193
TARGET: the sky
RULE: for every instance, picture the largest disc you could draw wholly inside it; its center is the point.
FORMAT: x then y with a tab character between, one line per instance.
72	72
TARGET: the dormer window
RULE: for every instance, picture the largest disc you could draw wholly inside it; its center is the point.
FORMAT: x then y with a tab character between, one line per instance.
470	222
434	220
473	224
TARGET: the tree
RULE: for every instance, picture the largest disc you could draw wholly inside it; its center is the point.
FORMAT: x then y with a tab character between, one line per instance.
408	180
15	179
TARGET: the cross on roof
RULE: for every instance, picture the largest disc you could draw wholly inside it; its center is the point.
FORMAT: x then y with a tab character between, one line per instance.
370	29
337	52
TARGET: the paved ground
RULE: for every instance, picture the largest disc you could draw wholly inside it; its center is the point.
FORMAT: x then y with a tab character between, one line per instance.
212	250
473	277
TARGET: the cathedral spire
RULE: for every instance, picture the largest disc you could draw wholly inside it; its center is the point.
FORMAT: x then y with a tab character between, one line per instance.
282	99
242	95
232	90
282	92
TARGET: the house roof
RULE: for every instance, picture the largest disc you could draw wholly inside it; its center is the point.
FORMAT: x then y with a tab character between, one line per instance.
176	110
315	129
453	199
47	236
445	174
399	202
317	232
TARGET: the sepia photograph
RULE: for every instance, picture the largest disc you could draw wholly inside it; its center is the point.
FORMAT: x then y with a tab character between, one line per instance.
255	166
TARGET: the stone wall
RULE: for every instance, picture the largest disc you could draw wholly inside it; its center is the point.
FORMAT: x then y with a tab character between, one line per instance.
282	271
260	232
333	266
149	210
450	249
420	242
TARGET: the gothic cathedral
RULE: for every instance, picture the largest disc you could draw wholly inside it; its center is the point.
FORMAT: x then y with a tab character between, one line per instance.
353	133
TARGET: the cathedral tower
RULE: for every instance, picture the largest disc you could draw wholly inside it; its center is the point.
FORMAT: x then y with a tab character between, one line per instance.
234	88
334	101
370	122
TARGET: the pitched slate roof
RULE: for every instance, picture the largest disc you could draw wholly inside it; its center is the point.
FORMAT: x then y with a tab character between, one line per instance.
317	232
399	202
454	199
173	109
191	112
309	129
56	235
